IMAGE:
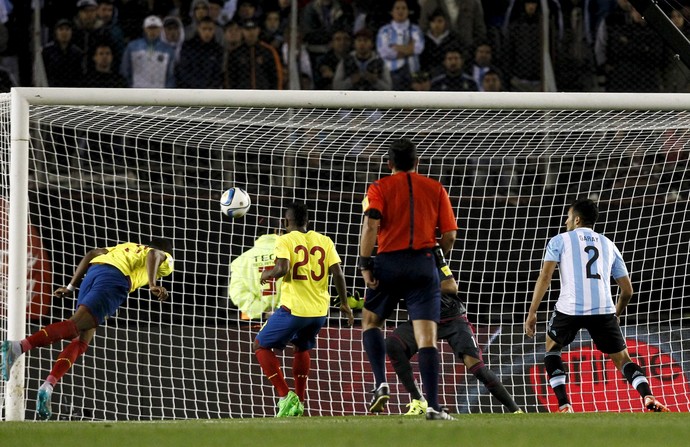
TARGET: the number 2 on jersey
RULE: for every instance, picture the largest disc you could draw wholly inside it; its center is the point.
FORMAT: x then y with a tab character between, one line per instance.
593	253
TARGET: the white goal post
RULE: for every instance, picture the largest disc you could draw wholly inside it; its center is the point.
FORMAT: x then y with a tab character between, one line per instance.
86	168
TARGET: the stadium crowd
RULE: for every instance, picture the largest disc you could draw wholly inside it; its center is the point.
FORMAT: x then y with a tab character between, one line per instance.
454	45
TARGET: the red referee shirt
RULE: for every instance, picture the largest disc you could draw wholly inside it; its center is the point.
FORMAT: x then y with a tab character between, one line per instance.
412	206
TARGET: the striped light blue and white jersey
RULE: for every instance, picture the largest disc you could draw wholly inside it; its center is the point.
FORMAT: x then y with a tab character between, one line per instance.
400	34
587	260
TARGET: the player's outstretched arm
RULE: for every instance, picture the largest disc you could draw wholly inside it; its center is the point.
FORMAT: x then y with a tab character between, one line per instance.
339	281
540	288
625	294
154	258
370	228
280	269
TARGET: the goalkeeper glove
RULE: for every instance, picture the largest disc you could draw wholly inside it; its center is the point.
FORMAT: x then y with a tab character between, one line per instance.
355	302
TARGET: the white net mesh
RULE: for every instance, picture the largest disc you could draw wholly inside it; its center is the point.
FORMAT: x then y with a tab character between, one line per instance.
104	175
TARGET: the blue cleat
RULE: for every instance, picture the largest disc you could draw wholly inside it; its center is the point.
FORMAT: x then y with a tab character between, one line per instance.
43	407
10	353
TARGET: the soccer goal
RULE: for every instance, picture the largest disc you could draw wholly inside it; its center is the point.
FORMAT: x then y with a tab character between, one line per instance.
91	168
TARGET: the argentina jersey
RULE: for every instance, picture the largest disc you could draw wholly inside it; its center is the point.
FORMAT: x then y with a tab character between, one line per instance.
587	260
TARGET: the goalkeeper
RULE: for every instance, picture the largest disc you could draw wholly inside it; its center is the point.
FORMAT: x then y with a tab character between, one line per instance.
457	331
252	298
110	275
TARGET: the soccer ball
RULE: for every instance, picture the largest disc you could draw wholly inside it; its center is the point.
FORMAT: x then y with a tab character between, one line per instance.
235	202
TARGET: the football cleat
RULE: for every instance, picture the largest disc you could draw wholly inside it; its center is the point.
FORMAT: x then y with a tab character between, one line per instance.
518	412
433	415
43	406
416	407
286	403
567	408
297	409
381	396
10	353
651	404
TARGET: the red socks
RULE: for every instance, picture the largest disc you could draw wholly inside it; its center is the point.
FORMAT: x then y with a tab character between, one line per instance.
271	367
66	359
50	334
300	372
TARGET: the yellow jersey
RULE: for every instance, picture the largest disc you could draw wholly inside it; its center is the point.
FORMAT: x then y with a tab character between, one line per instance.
130	259
305	286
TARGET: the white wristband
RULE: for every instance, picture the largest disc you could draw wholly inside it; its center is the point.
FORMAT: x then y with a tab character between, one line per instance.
70	287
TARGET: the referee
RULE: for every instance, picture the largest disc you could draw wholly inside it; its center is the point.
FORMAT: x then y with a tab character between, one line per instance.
402	213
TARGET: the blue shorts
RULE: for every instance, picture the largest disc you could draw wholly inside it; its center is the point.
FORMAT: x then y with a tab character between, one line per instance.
103	290
282	328
409	275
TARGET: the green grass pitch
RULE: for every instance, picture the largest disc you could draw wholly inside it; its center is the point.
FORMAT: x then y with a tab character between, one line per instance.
505	430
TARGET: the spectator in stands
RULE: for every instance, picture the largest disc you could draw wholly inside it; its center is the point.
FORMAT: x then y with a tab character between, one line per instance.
272	33
629	53
148	62
421	82
453	78
523	51
482	64
400	43
201	59
465	18
111	29
492	82
232	35
283	7
437	39
494	16
109	276
173	35
215	9
254	64
62	59
572	52
304	308
362	69
319	20
86	30
253	299
102	74
248	10
676	76
199	10
340	47
303	76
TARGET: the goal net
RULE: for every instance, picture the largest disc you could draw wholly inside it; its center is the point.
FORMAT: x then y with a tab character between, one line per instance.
105	168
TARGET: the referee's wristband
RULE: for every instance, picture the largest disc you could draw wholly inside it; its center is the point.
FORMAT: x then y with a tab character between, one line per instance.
70	287
365	263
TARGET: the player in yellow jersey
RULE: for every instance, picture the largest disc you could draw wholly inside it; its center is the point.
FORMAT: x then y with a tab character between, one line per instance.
304	259
110	274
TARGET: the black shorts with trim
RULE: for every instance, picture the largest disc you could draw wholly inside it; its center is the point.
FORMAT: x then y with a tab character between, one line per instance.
458	332
409	275
604	330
